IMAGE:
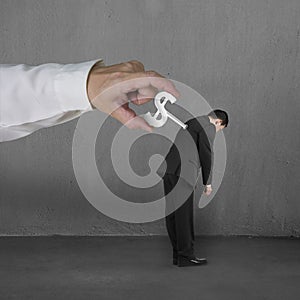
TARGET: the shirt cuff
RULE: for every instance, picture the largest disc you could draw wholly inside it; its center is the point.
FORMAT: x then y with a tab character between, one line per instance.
70	86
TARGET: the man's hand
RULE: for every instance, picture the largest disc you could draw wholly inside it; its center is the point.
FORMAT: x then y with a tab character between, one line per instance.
111	88
207	190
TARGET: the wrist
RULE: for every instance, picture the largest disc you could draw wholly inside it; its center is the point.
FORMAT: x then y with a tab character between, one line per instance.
92	82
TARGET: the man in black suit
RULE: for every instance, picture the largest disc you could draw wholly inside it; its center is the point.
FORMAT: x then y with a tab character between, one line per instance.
180	223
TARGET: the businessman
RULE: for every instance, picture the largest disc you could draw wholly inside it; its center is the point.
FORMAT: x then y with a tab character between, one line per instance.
180	223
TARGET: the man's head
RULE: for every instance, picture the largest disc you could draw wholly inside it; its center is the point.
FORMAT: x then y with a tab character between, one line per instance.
219	118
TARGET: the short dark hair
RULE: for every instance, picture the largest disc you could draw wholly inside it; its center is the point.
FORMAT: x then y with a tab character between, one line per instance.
220	114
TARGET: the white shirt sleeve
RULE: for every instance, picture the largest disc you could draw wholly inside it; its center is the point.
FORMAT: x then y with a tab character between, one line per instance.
34	97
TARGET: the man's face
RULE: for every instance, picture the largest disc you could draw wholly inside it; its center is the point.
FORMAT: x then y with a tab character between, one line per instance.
218	125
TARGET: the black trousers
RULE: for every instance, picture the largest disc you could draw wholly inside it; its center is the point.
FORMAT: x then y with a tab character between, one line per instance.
180	223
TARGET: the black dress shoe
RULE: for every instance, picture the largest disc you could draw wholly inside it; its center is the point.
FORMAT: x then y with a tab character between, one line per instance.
191	261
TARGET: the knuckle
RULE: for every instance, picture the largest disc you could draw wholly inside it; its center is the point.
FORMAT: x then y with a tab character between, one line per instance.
128	64
117	75
137	63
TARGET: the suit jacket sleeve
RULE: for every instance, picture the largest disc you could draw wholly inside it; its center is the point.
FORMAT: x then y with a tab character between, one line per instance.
205	147
33	97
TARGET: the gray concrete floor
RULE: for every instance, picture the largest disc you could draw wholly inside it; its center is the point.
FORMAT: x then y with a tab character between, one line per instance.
140	268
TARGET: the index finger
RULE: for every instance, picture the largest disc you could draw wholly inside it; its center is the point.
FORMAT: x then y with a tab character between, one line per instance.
141	80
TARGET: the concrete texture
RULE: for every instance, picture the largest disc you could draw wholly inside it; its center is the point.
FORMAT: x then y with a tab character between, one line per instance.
140	268
241	55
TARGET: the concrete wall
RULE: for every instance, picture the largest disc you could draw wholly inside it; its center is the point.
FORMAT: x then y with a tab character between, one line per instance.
241	55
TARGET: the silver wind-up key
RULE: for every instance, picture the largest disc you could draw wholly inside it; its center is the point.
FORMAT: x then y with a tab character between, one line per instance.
172	117
153	121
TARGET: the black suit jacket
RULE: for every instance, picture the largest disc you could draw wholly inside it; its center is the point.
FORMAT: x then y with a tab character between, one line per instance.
203	134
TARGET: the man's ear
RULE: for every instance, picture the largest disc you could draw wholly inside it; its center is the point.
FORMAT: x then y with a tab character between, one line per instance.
218	122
